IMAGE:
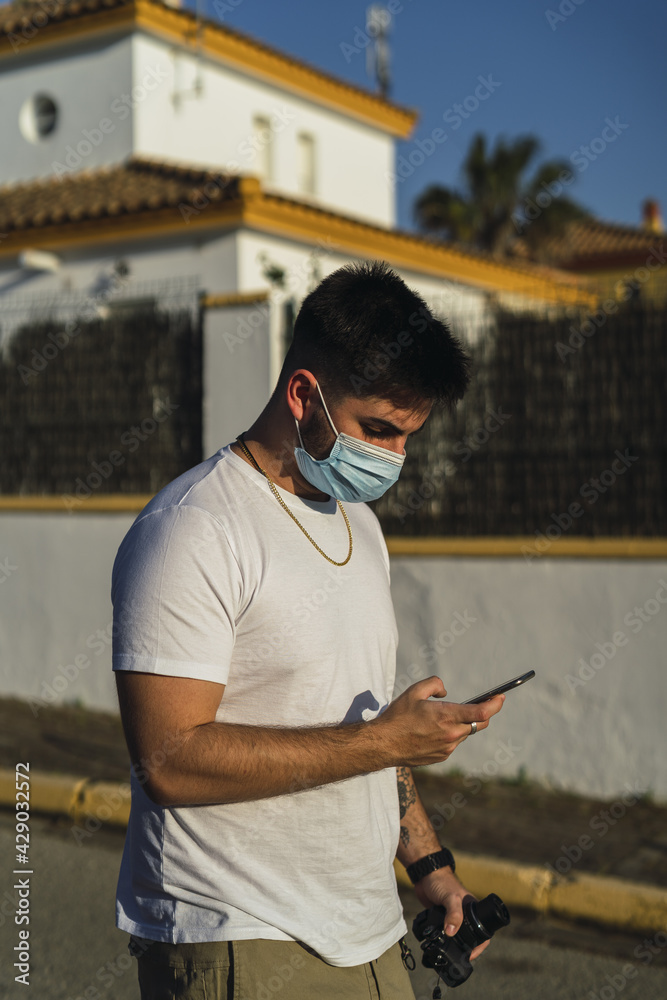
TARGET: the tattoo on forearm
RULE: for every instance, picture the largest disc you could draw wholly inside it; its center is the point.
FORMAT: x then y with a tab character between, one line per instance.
405	836
406	793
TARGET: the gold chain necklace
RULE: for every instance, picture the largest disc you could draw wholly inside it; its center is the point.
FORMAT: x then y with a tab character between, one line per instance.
282	503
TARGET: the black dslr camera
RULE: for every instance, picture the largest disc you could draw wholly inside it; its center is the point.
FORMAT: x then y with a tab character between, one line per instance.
450	956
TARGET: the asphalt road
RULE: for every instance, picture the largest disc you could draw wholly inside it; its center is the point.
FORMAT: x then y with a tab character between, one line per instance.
76	953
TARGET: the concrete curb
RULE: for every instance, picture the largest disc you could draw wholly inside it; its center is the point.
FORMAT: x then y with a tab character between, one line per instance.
613	902
610	901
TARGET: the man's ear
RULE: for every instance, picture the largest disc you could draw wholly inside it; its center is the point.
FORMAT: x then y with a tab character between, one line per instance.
301	392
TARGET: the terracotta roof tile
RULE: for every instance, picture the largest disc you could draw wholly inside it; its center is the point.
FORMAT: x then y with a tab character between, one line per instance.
37	13
135	186
591	241
142	188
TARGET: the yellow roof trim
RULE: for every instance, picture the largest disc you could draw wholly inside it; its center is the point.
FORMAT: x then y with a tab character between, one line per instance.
268	64
283	217
244	53
90	232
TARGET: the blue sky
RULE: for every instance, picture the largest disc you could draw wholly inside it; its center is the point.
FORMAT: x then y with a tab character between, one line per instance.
597	59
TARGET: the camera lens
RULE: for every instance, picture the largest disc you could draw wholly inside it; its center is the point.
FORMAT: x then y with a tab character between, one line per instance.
492	913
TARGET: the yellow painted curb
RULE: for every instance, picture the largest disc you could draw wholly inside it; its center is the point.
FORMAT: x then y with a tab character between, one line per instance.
80	798
106	801
611	901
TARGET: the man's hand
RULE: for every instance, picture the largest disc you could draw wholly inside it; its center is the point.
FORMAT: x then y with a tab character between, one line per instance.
442	888
416	731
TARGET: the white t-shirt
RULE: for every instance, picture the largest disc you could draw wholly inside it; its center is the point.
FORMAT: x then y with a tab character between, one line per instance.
215	581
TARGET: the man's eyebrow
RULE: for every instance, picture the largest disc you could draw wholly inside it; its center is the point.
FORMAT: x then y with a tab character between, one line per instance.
390	426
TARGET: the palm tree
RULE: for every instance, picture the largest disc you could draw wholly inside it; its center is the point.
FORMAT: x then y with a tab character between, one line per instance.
497	207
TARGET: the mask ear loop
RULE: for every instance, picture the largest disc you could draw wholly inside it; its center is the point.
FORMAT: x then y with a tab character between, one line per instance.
298	429
333	428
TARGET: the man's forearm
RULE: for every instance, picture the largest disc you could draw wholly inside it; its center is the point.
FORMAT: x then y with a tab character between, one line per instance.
184	757
224	762
418	838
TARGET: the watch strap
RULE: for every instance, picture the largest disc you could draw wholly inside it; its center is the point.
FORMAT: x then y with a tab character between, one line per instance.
424	866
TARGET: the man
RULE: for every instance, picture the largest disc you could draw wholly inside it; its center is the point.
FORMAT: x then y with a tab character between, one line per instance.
255	658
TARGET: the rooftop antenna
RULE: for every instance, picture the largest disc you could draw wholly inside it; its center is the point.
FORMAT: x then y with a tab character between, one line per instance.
378	23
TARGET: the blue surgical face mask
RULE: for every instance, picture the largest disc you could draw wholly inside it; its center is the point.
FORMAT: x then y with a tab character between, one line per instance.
355	470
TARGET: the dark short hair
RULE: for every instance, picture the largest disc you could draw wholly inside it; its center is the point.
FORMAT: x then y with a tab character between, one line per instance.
363	332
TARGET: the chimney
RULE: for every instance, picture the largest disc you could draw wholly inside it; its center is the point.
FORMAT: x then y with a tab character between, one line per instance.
651	218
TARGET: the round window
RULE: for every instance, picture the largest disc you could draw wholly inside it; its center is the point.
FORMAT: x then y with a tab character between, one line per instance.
38	117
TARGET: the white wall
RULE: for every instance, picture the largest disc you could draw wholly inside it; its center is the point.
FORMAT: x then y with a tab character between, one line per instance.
55	606
237	368
87	83
207	263
592	738
215	129
547	615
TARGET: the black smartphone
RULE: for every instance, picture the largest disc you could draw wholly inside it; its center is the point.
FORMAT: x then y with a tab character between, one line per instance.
507	686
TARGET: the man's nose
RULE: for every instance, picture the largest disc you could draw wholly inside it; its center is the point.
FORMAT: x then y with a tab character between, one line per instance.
397	445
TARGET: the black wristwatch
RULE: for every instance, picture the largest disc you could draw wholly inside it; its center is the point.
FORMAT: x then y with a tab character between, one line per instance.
430	863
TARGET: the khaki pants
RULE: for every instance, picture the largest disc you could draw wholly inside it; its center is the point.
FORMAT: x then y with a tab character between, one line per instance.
262	970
